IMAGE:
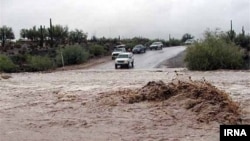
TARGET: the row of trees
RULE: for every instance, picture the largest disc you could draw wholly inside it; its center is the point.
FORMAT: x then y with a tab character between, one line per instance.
57	34
6	33
60	34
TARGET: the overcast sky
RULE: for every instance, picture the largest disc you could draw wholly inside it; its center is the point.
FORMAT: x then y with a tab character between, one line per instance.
128	18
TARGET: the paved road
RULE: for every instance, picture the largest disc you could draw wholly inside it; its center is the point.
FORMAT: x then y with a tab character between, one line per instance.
147	60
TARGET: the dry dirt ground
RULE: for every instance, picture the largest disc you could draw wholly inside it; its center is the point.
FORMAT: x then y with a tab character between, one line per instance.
95	105
90	63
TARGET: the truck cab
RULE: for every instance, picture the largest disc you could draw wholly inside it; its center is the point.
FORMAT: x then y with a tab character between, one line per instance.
117	50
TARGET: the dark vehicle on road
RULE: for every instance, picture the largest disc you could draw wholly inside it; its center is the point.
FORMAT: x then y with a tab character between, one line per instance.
139	49
156	45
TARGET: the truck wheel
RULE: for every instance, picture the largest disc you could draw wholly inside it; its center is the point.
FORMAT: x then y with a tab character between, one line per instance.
115	66
128	66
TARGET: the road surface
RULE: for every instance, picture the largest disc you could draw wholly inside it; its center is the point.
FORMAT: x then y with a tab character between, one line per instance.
150	59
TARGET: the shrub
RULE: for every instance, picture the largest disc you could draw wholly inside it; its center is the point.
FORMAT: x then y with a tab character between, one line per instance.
97	50
19	59
175	42
73	54
214	53
6	64
39	63
243	41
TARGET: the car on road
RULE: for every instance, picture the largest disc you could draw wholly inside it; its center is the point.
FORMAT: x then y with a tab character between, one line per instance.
124	59
189	41
156	45
139	49
117	50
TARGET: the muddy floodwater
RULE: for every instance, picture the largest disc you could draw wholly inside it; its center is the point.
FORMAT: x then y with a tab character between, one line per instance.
87	105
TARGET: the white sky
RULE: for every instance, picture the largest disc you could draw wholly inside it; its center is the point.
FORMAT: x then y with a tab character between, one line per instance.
128	18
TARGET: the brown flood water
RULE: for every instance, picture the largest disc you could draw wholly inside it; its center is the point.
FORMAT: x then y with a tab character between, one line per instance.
79	105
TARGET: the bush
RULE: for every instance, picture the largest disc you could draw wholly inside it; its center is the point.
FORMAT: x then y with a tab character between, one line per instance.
73	54
19	59
243	41
97	50
175	42
6	64
39	63
214	53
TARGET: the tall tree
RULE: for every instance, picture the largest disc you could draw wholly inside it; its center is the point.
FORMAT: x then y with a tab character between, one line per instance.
24	33
32	33
243	40
77	36
6	33
186	36
60	33
43	34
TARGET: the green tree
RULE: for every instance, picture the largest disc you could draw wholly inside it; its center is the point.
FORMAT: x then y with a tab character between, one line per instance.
231	34
186	36
77	36
60	34
24	33
32	33
6	33
243	40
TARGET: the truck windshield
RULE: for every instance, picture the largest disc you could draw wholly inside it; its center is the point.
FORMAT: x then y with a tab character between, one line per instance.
137	47
122	56
156	43
118	49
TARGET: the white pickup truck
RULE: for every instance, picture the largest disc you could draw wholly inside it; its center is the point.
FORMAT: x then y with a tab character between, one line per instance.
156	45
125	59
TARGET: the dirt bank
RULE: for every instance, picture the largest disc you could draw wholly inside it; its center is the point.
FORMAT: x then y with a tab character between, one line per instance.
90	63
206	101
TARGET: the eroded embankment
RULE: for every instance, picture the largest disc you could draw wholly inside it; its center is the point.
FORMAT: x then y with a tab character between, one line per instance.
206	101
